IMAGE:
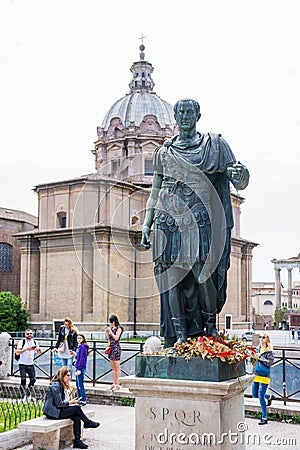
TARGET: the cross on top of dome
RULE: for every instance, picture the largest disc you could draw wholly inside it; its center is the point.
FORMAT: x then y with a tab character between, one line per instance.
142	70
142	47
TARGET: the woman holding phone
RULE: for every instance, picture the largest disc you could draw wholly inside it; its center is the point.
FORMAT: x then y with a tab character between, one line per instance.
265	357
113	333
59	405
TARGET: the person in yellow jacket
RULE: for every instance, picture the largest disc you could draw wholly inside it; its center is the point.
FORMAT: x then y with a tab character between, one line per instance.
261	381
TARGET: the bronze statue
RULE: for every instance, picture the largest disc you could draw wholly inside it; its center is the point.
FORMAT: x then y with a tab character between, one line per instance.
190	207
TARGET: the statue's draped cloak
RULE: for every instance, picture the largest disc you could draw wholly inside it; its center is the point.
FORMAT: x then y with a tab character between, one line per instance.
193	215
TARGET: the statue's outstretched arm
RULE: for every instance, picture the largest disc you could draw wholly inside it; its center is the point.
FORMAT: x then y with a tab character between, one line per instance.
238	174
150	209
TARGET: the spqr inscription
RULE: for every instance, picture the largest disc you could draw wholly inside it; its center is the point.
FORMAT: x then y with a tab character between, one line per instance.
187	418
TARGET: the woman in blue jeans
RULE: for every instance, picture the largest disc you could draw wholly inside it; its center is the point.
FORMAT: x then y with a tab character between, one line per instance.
260	384
66	344
80	366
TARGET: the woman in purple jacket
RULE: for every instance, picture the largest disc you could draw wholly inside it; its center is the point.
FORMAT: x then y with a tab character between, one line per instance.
80	365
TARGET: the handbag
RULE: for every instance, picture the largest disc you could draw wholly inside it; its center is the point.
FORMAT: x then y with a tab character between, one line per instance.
108	350
261	369
57	360
62	347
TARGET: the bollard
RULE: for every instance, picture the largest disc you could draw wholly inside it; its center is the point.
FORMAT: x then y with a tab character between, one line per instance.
5	356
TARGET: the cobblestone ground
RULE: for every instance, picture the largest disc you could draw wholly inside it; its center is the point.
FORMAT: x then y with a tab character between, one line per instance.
117	432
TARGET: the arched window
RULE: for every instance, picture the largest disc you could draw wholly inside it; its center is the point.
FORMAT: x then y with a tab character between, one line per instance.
115	164
135	220
5	257
268	302
62	219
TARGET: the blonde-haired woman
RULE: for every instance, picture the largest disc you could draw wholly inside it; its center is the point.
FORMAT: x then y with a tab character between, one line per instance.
59	405
265	356
66	344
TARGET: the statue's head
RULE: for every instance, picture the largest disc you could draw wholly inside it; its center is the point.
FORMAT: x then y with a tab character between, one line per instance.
195	105
187	113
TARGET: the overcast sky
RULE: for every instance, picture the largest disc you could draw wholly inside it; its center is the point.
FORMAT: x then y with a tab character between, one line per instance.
63	63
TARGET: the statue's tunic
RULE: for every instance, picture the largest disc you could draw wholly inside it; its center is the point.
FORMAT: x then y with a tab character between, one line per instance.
193	217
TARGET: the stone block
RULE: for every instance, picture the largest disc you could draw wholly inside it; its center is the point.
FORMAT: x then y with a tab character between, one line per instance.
66	437
49	441
196	369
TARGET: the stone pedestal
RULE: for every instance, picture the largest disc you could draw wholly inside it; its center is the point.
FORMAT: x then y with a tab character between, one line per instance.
184	415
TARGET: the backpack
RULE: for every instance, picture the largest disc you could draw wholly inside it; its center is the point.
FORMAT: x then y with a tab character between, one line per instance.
17	357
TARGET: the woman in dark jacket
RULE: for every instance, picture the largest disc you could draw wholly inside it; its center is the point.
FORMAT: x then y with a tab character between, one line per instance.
58	405
66	344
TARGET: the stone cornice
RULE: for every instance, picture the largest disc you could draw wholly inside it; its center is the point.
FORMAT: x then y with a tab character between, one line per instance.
14	215
62	233
92	179
286	263
241	242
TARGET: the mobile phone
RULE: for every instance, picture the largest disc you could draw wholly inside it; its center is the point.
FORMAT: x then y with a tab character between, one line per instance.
33	346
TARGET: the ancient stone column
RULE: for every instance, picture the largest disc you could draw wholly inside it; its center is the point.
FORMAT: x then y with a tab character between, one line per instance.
277	288
290	289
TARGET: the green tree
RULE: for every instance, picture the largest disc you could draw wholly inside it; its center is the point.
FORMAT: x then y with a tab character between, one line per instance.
13	313
280	314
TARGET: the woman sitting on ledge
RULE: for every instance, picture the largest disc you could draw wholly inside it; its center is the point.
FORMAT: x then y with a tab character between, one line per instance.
58	405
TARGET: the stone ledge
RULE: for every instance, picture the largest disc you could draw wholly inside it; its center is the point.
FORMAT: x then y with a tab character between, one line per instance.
277	407
186	389
15	438
44	425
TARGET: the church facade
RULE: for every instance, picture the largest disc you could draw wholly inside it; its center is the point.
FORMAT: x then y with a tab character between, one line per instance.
11	223
85	260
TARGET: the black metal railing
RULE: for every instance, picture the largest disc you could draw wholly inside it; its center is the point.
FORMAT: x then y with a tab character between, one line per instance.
98	367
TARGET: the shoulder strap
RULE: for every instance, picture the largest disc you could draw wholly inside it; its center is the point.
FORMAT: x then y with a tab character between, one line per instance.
23	342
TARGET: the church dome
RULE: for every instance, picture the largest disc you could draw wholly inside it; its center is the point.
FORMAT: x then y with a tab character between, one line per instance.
135	106
141	101
132	128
